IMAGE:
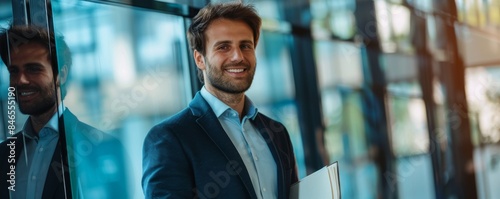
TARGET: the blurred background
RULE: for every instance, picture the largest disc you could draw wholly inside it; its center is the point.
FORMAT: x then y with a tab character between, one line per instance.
404	94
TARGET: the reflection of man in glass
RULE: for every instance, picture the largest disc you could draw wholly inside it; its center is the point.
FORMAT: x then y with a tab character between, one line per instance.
220	146
29	53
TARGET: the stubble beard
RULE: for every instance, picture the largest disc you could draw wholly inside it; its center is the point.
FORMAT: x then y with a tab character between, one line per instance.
221	82
41	105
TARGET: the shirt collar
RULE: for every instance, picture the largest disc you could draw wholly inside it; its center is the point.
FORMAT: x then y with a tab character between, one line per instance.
251	109
220	107
52	124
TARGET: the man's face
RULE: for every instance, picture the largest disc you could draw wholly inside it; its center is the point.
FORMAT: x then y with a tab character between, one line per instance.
229	62
31	75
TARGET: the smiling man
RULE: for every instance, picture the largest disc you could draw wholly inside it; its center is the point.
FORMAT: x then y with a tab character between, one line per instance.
38	148
220	146
25	52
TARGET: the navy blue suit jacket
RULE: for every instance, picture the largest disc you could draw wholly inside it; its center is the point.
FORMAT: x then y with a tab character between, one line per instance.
78	131
54	184
189	155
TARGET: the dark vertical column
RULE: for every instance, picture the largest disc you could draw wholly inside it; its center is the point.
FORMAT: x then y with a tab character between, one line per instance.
306	82
39	13
19	12
373	96
426	79
462	182
308	102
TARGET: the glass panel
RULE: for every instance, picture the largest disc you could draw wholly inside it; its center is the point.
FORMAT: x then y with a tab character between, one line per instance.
333	18
422	5
399	67
483	95
196	4
408	119
393	23
126	76
474	14
493	7
461	11
487	166
5	13
268	10
413	172
346	142
5	18
339	63
340	76
273	90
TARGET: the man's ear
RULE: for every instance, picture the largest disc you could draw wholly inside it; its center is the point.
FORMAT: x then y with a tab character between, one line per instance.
199	59
63	75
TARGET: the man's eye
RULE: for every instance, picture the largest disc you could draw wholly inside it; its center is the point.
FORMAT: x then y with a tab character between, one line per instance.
223	47
247	46
34	69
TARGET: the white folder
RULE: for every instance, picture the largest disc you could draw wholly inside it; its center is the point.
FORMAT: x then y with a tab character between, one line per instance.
322	184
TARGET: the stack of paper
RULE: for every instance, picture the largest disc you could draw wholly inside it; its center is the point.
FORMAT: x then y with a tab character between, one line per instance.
322	184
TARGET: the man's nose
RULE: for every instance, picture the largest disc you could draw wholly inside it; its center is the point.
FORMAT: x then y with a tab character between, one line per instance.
22	79
237	55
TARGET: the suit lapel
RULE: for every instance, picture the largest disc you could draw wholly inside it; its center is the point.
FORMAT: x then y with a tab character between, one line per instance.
267	134
211	126
55	178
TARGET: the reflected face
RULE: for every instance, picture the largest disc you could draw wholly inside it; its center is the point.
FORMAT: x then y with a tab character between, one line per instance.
31	75
229	63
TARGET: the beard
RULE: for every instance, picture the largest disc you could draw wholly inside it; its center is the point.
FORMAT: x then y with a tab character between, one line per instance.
218	80
42	104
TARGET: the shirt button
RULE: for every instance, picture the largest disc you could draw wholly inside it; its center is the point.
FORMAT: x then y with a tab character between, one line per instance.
41	149
263	189
255	158
33	177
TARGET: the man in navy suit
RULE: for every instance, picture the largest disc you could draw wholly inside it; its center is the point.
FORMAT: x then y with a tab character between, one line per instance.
220	146
38	157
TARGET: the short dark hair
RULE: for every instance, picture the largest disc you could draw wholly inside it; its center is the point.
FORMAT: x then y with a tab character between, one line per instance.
18	35
232	11
15	36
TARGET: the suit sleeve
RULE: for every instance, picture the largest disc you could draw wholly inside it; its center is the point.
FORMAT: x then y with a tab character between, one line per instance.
167	172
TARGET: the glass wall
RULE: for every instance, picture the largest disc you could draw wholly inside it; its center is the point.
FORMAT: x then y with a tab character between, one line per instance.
333	19
340	79
127	75
393	24
483	92
5	18
410	141
408	123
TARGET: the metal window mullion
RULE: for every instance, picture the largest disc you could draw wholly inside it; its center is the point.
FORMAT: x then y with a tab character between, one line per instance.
19	12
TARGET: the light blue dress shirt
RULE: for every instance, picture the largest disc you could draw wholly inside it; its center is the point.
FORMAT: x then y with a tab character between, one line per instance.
250	144
35	158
